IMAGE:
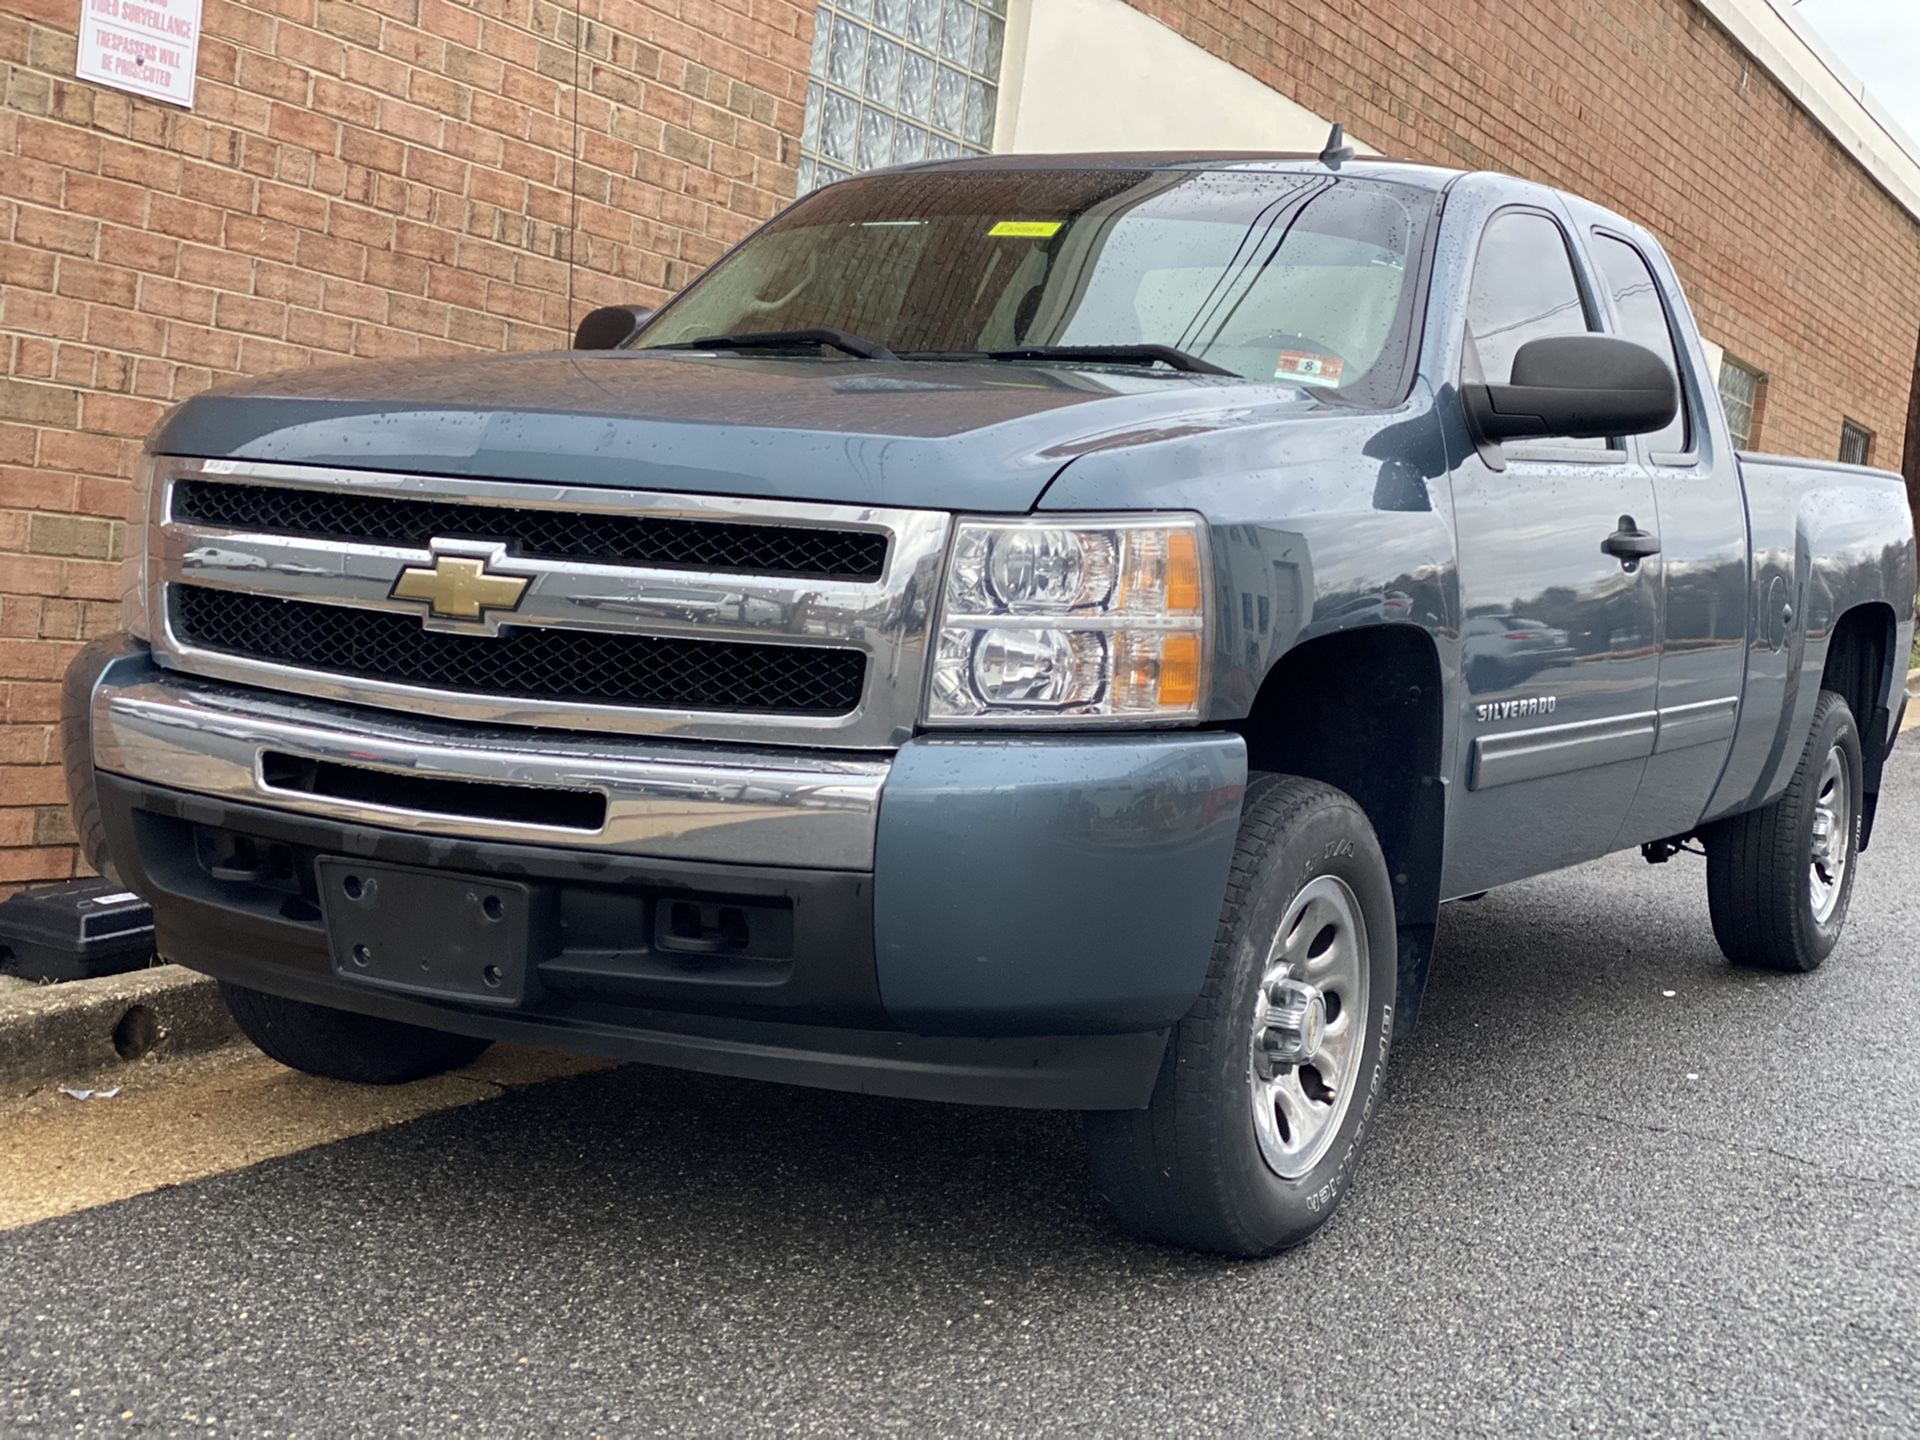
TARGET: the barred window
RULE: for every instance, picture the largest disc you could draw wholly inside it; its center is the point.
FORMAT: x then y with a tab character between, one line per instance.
1856	443
1740	387
894	81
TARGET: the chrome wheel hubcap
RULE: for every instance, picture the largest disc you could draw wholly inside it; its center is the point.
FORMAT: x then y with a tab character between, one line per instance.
1309	1027
1832	846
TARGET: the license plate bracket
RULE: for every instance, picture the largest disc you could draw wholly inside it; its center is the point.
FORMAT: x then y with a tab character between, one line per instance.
424	932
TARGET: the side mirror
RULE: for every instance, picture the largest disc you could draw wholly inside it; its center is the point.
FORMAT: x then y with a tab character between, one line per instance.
610	327
1577	387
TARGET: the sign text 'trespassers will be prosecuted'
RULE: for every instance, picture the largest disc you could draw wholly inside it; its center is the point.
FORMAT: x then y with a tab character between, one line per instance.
147	46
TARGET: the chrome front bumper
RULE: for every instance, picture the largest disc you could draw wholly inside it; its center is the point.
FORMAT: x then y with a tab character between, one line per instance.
1019	923
661	800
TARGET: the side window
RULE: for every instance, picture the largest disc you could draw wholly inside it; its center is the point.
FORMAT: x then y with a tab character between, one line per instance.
1643	320
1523	289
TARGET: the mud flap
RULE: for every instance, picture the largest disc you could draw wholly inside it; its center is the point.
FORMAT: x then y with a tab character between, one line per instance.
1874	758
1416	898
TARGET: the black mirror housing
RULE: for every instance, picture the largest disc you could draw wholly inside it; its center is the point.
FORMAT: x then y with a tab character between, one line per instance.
1577	387
610	327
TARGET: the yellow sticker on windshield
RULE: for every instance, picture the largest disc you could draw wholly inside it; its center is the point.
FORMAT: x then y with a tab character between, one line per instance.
1027	229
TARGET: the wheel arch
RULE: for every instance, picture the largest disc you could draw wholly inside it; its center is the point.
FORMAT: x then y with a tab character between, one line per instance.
1362	710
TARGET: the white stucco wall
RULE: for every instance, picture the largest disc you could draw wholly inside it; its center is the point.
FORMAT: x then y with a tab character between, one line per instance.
1099	75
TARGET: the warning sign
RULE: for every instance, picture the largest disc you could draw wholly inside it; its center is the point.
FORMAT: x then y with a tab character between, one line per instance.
147	46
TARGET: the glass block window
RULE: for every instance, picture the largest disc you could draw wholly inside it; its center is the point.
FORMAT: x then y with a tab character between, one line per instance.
1740	396
899	80
1856	443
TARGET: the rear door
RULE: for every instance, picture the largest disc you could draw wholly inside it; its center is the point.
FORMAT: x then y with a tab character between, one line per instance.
1559	638
1702	518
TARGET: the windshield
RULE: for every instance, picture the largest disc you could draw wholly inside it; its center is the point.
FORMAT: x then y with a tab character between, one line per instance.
1305	278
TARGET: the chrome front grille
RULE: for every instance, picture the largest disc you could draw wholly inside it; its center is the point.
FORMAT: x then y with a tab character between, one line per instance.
718	546
586	666
711	618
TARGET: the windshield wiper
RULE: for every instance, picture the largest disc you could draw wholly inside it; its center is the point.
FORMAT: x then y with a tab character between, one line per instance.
1116	355
857	346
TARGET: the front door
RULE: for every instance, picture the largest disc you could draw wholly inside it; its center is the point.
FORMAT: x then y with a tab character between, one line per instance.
1560	628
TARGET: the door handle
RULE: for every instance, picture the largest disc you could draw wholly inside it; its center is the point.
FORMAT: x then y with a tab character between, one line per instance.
1630	544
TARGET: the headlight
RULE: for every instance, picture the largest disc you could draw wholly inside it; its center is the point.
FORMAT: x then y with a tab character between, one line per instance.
1085	618
133	566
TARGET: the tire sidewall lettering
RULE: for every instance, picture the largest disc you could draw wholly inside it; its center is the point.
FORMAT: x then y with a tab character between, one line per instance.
1328	1194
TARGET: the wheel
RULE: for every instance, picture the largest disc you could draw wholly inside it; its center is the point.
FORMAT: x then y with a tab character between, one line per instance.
342	1045
1779	878
1268	1087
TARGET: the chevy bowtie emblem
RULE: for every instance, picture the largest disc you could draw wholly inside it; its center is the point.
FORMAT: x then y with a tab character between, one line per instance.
462	584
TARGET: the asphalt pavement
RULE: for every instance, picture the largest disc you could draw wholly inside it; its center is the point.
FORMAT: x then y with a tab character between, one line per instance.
1617	1187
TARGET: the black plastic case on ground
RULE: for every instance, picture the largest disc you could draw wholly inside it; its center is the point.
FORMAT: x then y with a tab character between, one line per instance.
75	931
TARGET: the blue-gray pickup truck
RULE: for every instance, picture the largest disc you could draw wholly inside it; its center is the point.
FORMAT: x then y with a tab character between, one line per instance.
1031	631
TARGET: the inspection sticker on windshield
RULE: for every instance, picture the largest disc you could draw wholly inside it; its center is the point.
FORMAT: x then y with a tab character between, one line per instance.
1305	369
1027	229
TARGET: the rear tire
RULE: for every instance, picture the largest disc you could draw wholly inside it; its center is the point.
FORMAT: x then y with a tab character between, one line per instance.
341	1045
1779	879
1241	1150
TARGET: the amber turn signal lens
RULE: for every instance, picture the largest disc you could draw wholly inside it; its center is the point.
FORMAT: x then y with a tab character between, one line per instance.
1183	574
1179	670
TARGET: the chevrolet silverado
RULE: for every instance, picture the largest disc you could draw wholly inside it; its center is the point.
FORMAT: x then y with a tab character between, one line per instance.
1039	631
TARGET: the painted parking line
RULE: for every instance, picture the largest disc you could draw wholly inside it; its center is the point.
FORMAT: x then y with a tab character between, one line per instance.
188	1119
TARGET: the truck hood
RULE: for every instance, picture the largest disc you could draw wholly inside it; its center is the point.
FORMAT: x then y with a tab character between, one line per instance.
963	436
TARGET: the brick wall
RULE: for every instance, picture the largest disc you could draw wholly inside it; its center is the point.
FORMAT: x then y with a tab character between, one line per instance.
398	177
1794	259
356	178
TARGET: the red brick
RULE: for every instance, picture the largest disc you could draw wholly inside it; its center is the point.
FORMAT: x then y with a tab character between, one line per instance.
28	268
106	199
298	126
139	250
49	230
87	454
184	219
119	415
102	284
59	145
35	659
51	863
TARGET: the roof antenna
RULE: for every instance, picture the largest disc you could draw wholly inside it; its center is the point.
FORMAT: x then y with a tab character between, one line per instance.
1337	149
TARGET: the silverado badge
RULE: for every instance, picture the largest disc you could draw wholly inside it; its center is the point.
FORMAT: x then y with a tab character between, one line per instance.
462	584
1511	709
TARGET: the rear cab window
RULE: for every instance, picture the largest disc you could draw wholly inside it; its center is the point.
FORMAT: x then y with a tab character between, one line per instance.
1641	313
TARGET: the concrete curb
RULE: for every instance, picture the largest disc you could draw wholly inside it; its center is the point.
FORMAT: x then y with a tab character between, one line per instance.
80	1029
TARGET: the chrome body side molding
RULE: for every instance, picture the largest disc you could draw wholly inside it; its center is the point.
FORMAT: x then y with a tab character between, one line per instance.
1533	754
1702	723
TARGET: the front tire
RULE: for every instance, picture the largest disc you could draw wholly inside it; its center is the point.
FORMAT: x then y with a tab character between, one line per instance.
1268	1088
1779	879
341	1045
